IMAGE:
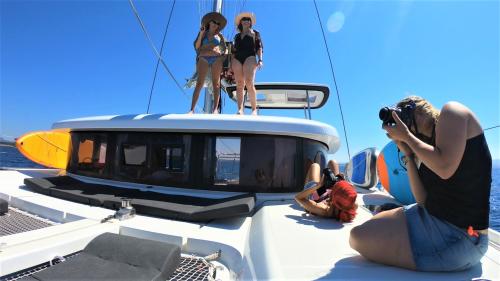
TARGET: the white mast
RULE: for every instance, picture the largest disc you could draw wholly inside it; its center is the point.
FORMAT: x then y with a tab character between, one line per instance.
209	94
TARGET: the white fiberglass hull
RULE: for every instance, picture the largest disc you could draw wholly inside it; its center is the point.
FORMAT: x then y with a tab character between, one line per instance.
278	242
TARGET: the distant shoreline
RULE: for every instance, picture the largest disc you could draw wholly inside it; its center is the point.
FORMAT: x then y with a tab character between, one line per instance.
7	143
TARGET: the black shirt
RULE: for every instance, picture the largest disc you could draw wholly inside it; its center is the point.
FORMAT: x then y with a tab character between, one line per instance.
463	199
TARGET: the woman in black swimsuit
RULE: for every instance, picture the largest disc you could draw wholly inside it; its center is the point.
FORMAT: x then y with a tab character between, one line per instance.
247	45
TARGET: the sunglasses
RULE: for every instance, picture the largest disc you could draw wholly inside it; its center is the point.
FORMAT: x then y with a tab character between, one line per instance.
217	23
246	19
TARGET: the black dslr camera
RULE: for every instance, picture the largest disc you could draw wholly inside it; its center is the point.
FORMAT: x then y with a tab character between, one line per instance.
405	114
330	179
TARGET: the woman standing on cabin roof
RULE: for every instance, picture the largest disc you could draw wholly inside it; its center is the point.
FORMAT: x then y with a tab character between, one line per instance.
210	49
247	45
447	229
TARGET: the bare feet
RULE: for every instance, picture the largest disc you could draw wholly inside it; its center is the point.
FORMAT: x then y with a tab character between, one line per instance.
254	112
215	112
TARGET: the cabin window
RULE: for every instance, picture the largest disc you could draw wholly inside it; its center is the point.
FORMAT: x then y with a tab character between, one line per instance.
227	166
170	155
174	158
252	163
90	152
134	154
268	164
314	152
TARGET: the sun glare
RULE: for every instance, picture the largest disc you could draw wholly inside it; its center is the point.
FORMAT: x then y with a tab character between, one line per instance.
335	22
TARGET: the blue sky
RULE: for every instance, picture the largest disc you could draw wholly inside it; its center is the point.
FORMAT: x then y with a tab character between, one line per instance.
68	59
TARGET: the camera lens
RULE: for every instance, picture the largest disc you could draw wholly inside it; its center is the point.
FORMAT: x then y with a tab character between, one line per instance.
385	115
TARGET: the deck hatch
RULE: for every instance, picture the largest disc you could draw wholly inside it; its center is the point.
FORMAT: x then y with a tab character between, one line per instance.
285	95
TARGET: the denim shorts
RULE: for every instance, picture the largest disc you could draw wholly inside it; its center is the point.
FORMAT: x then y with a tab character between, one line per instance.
438	245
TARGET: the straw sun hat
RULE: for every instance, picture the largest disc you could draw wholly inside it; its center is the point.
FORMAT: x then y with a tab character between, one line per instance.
214	16
244	15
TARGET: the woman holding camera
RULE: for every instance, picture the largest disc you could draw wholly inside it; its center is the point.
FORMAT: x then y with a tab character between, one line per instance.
210	49
449	169
328	195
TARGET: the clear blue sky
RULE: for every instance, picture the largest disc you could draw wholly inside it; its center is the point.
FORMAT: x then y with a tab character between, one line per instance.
68	59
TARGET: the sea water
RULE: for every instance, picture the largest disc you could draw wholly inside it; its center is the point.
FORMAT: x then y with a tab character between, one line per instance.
10	157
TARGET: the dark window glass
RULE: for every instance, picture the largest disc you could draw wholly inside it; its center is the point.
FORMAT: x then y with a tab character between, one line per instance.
89	153
227	166
253	163
134	154
249	163
170	154
269	163
174	158
314	152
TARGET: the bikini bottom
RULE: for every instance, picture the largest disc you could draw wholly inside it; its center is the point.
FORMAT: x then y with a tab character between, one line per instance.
210	59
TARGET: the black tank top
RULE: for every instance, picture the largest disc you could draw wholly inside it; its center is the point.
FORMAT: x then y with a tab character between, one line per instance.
464	198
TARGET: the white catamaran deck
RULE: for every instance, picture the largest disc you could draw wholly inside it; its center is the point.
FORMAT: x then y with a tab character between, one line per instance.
279	241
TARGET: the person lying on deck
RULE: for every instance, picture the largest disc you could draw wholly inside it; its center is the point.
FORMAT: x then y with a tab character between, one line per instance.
449	169
328	195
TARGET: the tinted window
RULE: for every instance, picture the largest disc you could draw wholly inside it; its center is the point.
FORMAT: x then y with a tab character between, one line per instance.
227	165
269	163
253	163
170	155
89	153
314	152
134	154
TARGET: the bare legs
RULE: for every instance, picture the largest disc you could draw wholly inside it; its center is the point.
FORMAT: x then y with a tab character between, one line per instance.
314	173
245	76
334	166
216	72
202	68
240	83
384	239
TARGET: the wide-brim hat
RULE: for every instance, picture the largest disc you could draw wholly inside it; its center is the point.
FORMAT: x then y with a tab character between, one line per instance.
214	16
244	15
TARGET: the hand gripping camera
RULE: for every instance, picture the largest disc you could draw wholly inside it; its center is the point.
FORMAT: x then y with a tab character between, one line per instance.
330	179
405	113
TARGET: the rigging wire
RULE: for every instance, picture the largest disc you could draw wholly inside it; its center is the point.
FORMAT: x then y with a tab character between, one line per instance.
492	127
334	79
156	51
161	52
199	10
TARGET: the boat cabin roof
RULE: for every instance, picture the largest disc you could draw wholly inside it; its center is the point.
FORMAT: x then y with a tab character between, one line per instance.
208	123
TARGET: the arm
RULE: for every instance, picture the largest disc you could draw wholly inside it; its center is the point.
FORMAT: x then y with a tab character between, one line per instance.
451	137
260	49
197	42
417	188
235	45
318	209
222	44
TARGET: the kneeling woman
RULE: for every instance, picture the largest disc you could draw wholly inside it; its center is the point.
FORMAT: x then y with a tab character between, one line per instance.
210	47
446	230
326	197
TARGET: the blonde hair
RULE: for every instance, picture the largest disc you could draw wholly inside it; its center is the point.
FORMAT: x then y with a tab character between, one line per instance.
423	107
